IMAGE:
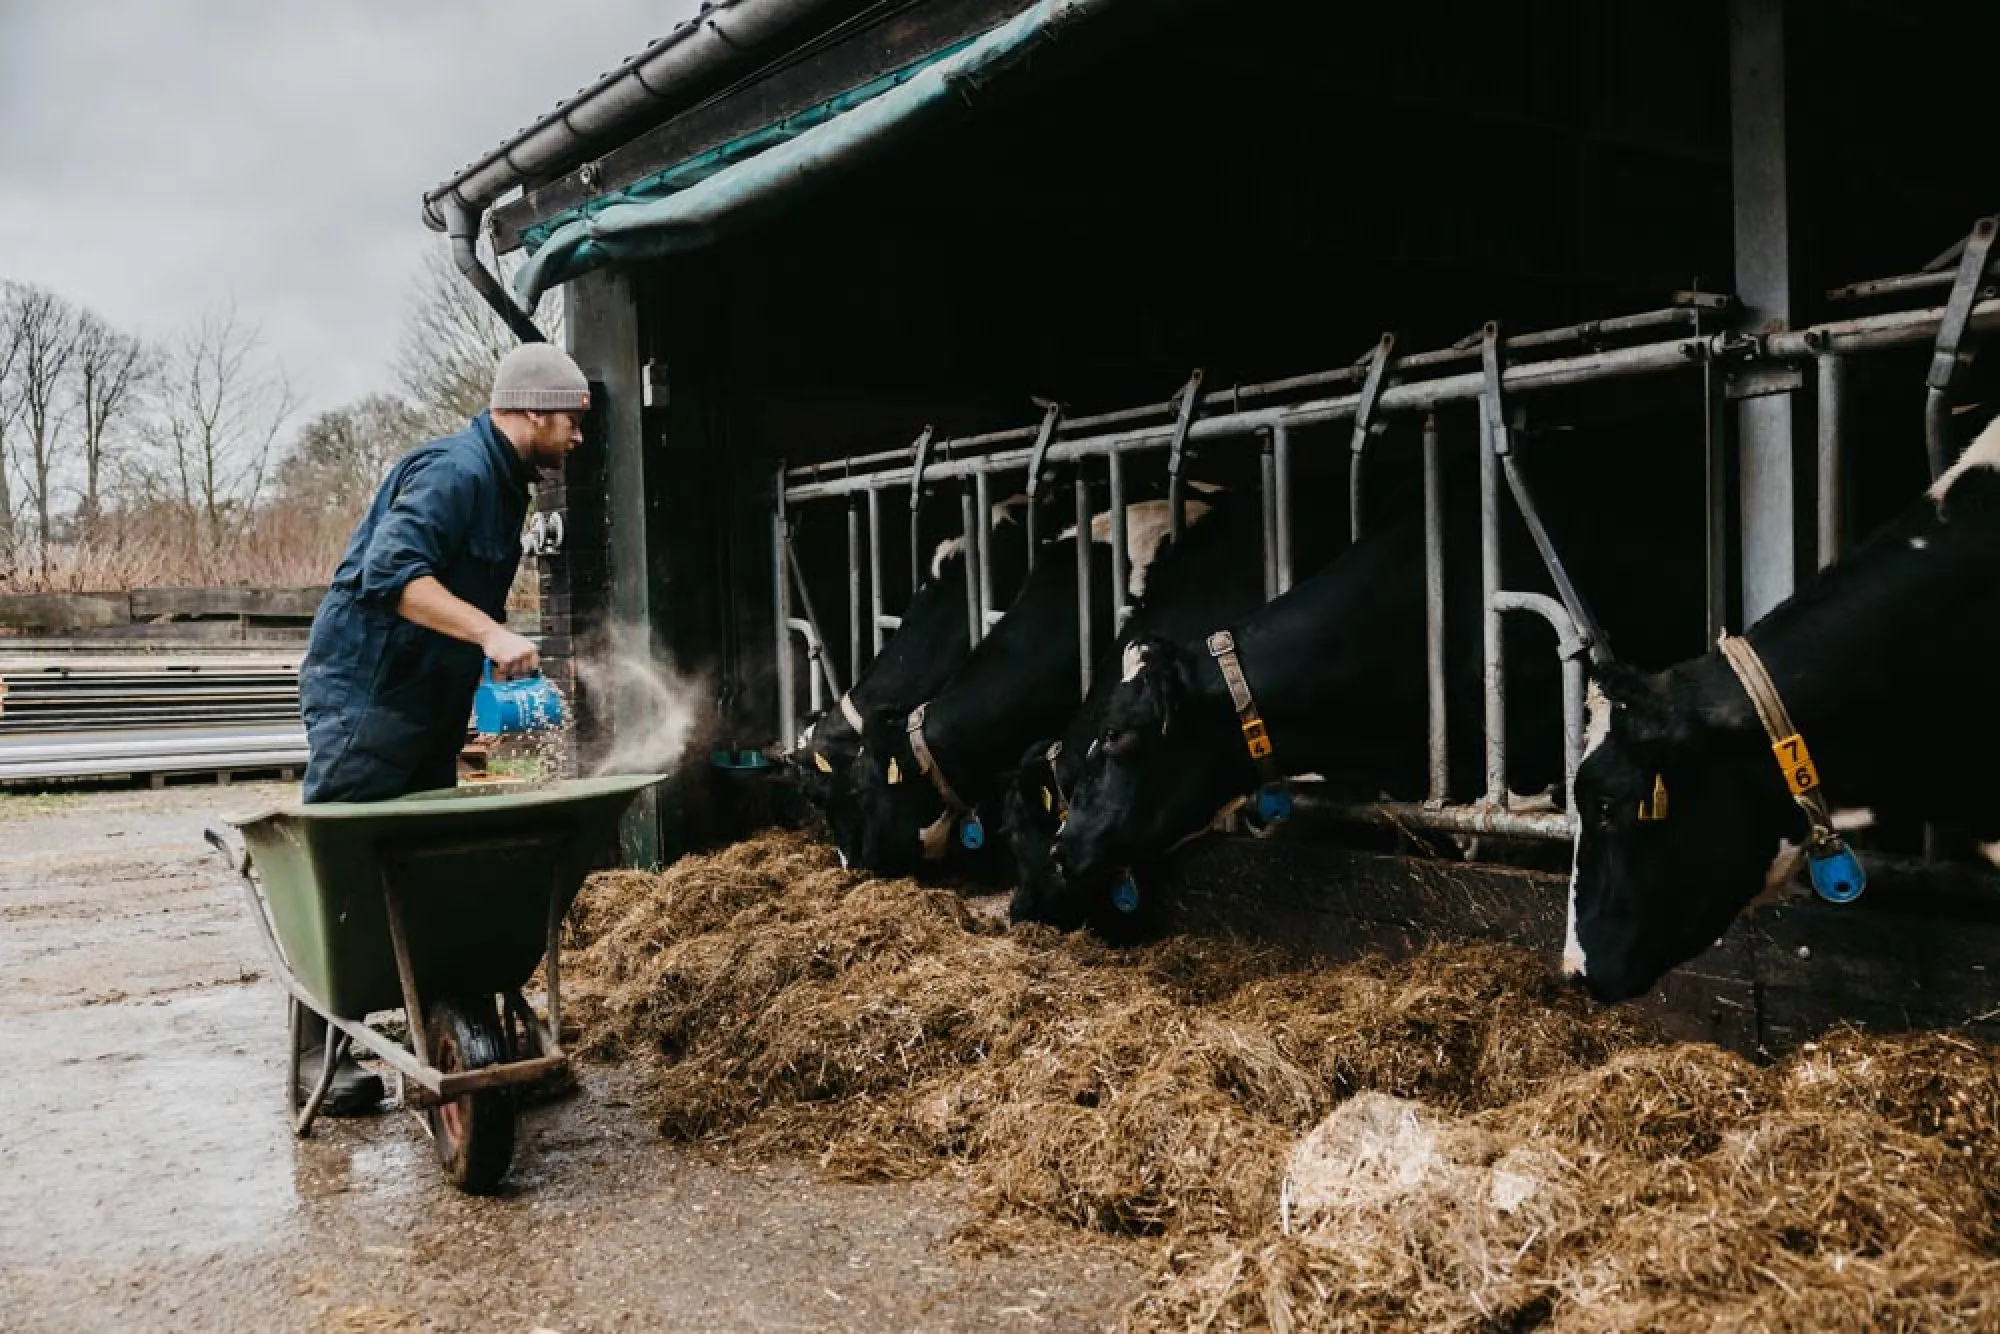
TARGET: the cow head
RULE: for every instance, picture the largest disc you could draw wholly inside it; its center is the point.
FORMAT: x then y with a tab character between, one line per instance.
1166	759
898	820
1681	822
1035	809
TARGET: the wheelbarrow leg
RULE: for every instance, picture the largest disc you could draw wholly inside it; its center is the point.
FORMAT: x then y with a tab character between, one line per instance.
334	1048
295	1017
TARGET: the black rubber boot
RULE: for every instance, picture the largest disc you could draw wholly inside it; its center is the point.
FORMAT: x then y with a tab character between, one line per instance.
354	1092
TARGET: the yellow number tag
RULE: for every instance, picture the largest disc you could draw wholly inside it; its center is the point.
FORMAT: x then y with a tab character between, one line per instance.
1256	738
1048	800
1796	761
820	763
895	772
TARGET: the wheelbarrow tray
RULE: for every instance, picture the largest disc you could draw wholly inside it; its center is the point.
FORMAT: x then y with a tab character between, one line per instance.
480	876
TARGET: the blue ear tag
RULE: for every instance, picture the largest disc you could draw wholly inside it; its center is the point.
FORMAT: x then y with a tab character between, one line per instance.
1837	876
971	834
1125	895
1274	804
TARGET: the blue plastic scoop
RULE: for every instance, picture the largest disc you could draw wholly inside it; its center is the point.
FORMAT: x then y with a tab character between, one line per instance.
525	704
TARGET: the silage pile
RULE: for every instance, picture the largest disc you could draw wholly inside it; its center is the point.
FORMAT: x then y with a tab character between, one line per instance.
1513	1157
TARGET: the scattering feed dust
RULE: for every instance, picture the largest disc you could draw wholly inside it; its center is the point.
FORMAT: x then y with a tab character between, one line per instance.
1452	1141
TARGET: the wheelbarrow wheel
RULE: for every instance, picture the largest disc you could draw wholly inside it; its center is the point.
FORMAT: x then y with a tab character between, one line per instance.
474	1132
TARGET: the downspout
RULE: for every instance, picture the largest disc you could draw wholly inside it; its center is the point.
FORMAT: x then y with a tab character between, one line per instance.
462	226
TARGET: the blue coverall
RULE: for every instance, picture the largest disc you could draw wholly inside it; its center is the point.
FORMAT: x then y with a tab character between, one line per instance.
386	701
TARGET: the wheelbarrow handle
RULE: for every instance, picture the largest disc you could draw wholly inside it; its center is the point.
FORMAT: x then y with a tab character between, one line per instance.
233	849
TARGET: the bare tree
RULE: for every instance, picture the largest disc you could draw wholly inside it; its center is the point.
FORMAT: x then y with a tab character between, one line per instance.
452	340
10	414
111	368
220	408
47	329
340	455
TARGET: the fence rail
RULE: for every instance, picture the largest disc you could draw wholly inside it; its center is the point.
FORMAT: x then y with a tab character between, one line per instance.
1488	370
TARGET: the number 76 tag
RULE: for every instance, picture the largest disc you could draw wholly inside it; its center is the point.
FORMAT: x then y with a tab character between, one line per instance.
1793	757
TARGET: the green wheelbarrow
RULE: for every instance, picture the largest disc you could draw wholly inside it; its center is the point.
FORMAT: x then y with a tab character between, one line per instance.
439	904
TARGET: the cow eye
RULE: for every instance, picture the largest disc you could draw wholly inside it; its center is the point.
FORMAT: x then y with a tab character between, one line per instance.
1118	741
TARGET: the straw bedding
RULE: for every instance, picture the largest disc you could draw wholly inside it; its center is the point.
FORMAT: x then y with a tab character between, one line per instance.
1449	1142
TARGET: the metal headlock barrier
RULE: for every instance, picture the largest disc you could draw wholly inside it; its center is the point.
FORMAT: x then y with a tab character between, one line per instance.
1486	369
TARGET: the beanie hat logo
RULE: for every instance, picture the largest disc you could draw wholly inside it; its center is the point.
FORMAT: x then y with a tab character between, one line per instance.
537	377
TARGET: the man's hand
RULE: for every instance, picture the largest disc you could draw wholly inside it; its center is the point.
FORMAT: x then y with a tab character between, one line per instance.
512	655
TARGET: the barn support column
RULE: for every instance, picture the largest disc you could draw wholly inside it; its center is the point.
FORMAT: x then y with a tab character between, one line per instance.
603	332
1764	270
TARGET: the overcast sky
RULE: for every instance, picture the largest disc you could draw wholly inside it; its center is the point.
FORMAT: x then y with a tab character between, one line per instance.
158	158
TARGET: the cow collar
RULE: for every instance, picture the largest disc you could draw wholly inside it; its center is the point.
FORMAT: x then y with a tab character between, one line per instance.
970	833
1273	803
1836	873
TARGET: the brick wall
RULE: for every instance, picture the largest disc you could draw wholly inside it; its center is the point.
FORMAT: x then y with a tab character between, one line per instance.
575	583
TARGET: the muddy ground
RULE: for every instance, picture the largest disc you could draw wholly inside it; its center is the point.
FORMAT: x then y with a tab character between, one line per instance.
148	1179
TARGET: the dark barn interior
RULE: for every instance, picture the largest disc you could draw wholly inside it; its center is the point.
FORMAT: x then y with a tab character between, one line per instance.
1260	191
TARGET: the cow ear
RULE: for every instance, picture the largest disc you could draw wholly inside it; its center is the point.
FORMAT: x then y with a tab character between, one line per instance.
1641	701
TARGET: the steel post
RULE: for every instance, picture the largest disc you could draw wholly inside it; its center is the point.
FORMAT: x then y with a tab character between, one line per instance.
1281	464
788	706
853	590
1440	751
1831	383
1492	630
1759	165
968	510
982	493
1121	558
1083	608
875	567
1267	499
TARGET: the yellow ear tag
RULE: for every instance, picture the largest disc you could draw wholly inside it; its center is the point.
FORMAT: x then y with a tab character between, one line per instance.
820	763
1655	810
895	771
1793	757
1048	800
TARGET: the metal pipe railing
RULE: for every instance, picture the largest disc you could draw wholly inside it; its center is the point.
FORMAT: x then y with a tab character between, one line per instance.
1587	332
1084	622
811	617
1830	385
1121	556
781	593
983	503
1494	674
1272	519
815	658
875	568
854	659
1281	467
1866	334
1225	416
1434	644
1572	647
969	549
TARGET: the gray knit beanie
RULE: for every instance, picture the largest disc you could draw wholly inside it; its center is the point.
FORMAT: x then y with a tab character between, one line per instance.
539	377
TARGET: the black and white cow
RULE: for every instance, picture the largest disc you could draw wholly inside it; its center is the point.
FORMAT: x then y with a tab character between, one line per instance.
915	661
1021	682
1885	664
1214	575
1336	667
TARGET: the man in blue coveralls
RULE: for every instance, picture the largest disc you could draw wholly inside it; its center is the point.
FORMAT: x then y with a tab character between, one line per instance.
416	603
